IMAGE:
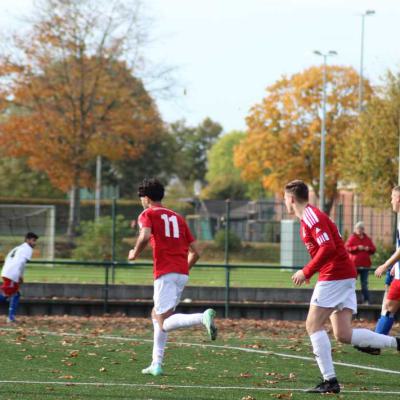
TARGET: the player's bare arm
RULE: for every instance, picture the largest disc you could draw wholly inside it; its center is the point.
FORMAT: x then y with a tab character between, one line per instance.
386	265
298	278
194	254
141	243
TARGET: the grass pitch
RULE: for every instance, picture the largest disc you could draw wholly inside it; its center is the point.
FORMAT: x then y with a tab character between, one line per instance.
101	358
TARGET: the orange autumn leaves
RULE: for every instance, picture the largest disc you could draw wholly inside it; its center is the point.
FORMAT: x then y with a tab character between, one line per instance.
68	96
60	125
284	130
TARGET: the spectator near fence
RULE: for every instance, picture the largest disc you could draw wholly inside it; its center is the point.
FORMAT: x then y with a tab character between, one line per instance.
360	248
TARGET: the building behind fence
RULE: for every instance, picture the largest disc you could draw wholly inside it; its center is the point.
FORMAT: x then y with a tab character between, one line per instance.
260	221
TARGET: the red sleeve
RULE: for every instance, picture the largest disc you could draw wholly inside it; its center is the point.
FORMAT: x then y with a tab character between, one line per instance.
322	234
351	245
144	220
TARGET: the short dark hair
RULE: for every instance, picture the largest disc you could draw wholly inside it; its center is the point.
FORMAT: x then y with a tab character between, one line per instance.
152	188
298	189
396	189
31	235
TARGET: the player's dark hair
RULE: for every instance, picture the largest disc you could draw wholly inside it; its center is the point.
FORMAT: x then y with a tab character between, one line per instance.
396	189
298	189
31	235
152	188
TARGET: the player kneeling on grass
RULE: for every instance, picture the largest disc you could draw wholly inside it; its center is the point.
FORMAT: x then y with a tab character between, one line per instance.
334	296
174	254
13	273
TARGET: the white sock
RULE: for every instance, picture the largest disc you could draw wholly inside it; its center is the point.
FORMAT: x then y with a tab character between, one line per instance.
365	338
182	321
323	354
159	342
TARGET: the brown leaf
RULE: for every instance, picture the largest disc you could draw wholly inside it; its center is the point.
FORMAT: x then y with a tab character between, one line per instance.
66	377
283	395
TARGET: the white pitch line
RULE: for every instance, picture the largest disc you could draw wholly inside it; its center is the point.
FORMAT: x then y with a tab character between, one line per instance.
244	349
167	386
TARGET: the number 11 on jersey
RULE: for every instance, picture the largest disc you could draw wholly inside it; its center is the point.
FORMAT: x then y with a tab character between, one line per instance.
167	222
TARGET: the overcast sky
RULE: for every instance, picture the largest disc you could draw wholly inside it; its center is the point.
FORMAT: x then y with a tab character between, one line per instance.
228	51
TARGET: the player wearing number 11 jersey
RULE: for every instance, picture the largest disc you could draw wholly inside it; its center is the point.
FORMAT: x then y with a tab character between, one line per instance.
174	253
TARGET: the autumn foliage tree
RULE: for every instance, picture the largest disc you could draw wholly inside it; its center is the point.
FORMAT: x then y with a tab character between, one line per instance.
69	92
284	130
371	158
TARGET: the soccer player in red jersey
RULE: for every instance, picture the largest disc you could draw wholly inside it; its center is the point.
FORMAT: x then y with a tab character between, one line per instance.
334	295
174	253
391	302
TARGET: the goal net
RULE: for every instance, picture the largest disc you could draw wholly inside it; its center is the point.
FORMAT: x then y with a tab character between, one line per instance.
16	220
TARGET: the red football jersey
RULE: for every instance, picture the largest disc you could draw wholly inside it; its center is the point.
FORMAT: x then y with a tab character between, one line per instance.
170	240
326	247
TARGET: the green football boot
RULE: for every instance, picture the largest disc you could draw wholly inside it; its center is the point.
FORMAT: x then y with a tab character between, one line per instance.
208	322
154	370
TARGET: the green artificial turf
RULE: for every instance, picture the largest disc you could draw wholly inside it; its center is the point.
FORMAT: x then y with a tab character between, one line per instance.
107	356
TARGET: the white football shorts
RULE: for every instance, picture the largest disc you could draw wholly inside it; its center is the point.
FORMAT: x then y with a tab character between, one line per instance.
168	290
335	294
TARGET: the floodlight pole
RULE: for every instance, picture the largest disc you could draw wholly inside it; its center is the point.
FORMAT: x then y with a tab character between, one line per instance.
98	189
323	130
360	84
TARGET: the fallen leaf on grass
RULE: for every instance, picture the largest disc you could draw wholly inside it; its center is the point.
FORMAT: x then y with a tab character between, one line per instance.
102	369
69	364
66	377
283	395
245	375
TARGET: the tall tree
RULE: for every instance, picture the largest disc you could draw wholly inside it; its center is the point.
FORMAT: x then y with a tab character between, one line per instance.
223	177
18	180
371	158
192	144
71	87
157	159
284	130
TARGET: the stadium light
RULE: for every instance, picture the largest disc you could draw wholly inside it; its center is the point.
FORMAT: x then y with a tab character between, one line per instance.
360	85
323	130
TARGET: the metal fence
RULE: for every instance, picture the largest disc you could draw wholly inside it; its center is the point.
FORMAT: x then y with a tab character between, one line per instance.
251	221
225	275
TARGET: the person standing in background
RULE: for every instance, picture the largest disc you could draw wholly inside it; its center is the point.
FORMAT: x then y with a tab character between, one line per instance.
360	248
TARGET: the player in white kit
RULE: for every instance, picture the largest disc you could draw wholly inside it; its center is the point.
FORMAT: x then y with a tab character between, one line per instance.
13	273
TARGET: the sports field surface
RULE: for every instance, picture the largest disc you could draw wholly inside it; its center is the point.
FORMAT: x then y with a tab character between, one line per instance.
101	358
